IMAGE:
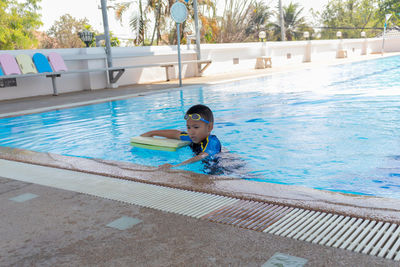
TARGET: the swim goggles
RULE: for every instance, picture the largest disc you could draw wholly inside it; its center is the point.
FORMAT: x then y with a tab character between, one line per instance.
195	117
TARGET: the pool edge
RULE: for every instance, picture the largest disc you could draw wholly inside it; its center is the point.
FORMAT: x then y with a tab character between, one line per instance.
366	207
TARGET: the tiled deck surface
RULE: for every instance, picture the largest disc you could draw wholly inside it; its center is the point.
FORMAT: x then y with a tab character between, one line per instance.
44	226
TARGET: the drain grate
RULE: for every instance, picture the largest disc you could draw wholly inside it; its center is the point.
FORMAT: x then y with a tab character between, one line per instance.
358	235
376	238
249	214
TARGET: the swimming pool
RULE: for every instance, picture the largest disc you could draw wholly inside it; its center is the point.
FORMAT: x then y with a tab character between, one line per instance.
333	128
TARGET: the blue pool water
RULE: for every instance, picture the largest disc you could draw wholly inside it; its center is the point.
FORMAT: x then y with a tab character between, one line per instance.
333	128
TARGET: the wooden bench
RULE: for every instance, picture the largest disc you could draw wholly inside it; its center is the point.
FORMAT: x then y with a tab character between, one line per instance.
263	62
172	64
342	54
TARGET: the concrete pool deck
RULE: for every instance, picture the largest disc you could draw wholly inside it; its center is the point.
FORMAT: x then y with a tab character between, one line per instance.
60	227
65	228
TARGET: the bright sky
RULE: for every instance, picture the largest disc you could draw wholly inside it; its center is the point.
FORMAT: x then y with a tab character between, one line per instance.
79	9
52	10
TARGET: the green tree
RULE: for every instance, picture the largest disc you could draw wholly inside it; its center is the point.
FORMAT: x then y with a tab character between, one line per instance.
258	21
65	34
351	17
114	41
18	22
389	7
294	22
65	31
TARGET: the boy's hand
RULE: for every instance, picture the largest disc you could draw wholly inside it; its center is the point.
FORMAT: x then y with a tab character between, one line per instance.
172	134
148	134
165	166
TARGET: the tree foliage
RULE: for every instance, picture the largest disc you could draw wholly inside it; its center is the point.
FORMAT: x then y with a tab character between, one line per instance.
389	7
65	31
18	22
294	22
242	20
114	41
259	19
64	34
45	41
139	21
234	21
209	21
150	20
152	24
344	14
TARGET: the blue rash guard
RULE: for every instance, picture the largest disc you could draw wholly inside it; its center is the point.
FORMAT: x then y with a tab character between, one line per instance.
210	145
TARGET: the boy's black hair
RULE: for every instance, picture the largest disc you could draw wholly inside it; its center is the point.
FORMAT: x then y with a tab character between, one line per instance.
204	111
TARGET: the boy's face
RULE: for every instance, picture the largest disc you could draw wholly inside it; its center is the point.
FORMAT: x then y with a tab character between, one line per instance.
198	130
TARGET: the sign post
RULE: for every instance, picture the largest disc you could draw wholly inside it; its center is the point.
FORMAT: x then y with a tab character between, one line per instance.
387	17
107	38
179	14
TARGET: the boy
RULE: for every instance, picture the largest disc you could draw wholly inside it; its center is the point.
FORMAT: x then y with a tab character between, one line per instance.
199	123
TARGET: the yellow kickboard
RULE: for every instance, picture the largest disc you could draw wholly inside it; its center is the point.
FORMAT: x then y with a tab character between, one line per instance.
25	63
155	143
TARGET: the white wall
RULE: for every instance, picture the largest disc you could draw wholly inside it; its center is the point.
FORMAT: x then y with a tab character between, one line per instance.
222	56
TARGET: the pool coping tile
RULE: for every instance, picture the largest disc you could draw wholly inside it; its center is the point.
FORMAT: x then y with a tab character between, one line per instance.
124	223
285	260
23	197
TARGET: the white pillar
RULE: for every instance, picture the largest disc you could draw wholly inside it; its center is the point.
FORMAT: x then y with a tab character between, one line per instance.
364	44
307	52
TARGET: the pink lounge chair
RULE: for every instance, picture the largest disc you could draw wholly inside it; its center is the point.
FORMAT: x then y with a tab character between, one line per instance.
57	62
9	64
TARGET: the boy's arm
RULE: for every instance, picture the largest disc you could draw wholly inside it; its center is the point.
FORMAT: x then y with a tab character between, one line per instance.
199	157
172	134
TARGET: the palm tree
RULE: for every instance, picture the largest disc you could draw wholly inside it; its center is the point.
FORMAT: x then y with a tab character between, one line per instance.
235	20
138	21
294	22
159	10
258	19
